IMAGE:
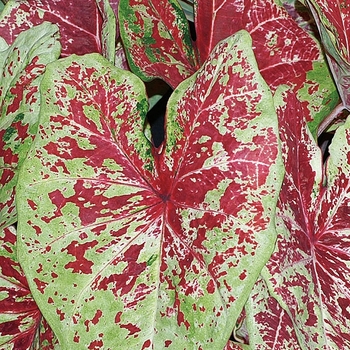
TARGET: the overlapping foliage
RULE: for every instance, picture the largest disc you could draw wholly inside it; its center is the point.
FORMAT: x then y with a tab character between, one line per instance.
232	233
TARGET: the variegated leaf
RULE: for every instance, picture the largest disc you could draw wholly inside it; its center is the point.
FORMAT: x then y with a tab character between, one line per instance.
120	55
318	96
109	30
129	250
307	271
286	54
157	39
268	324
21	67
20	317
333	21
284	51
80	22
114	4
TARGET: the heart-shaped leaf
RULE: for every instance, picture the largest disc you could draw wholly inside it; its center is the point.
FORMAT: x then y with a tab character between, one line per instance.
157	40
20	317
306	272
21	67
80	34
149	250
333	21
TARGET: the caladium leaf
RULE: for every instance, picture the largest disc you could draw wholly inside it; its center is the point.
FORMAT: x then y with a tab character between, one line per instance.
268	324
157	39
318	95
109	29
333	21
284	51
289	56
80	34
21	66
306	272
20	317
168	245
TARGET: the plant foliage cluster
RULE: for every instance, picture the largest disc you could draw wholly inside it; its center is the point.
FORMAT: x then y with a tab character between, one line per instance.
231	231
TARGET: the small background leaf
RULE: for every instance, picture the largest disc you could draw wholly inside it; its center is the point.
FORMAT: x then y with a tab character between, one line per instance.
80	34
109	30
333	21
157	39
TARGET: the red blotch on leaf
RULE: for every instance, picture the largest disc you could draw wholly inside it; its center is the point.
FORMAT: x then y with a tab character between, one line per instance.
40	285
81	264
96	345
131	328
211	287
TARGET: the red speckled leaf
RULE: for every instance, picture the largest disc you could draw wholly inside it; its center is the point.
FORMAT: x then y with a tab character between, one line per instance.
157	40
269	326
284	51
21	67
126	249
20	317
333	21
312	259
80	22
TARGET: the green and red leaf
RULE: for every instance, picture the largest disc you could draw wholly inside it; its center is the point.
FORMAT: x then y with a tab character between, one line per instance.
306	272
149	247
286	54
20	317
333	21
80	22
21	68
157	39
284	51
269	325
109	30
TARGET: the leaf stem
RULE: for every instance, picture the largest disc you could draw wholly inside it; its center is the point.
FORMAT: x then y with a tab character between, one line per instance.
328	120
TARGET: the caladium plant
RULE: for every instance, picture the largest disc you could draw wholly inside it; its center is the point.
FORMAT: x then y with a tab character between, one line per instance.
230	233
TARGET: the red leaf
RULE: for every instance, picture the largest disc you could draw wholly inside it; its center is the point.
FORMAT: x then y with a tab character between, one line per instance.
80	33
284	51
269	325
312	254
